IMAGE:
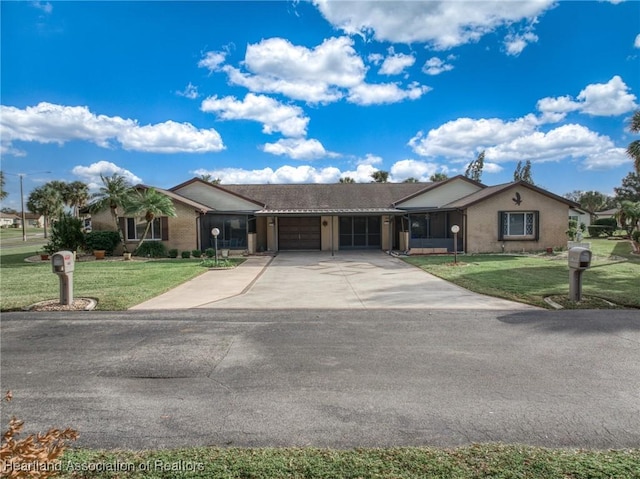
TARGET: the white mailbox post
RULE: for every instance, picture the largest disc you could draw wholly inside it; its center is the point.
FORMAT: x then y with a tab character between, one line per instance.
579	260
63	264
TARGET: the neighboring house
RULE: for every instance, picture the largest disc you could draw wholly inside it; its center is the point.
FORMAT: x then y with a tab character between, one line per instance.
32	220
416	217
612	213
7	220
580	215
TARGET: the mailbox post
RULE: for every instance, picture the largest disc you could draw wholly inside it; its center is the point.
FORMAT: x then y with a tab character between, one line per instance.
63	264
579	261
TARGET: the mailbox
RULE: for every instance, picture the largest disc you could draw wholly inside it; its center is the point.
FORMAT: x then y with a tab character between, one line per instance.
579	258
63	264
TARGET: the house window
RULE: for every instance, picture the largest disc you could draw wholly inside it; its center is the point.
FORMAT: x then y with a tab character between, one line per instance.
519	225
136	227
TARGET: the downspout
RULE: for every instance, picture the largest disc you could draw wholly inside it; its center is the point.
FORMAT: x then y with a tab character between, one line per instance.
332	252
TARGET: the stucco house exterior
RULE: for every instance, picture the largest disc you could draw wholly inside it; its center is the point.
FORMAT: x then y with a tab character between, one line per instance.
412	217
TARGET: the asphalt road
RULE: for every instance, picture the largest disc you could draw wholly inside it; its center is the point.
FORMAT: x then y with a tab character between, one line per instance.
326	378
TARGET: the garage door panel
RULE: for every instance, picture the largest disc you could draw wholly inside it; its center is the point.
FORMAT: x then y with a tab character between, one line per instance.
299	233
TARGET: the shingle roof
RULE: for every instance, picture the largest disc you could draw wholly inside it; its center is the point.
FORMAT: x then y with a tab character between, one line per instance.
329	197
494	190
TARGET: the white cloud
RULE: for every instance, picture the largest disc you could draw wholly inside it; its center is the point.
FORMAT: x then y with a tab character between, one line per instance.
91	174
519	140
375	58
396	63
190	92
567	141
170	137
442	24
464	137
298	149
212	61
362	173
282	175
314	75
370	159
636	43
46	7
516	43
50	123
598	99
435	66
421	170
274	116
381	93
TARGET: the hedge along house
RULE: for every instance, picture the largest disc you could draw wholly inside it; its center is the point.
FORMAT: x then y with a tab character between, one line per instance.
413	217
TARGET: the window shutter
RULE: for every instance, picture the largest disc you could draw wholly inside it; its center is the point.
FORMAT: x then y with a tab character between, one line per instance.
164	228
536	219
502	217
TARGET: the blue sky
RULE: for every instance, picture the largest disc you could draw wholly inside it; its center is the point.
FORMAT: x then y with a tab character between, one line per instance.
293	92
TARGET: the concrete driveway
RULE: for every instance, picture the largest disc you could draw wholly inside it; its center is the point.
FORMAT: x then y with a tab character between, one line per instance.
352	280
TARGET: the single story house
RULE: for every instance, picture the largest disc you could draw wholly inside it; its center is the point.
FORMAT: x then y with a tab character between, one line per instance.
580	215
8	219
412	217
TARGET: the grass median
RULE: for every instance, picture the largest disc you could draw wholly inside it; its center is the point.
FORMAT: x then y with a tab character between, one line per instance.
476	461
117	285
614	275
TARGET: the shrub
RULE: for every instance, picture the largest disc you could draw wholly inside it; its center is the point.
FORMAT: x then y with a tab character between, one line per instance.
66	234
196	253
173	253
186	254
102	240
573	230
152	249
636	236
210	252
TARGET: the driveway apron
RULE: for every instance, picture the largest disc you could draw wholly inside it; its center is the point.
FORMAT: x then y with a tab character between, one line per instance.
353	280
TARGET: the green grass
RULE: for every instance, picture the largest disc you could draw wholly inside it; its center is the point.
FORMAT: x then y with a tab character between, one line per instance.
476	461
117	285
614	276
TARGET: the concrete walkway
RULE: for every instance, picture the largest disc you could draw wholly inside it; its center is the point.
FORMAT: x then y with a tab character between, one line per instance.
214	285
318	280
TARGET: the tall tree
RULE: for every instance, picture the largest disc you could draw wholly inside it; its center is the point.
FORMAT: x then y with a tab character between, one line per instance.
474	169
47	201
438	177
76	196
633	150
630	189
3	193
629	215
380	176
593	201
150	204
115	194
411	179
523	173
347	179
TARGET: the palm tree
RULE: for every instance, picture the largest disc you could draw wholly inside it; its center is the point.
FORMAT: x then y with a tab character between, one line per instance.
150	204
76	196
633	150
114	193
47	201
629	215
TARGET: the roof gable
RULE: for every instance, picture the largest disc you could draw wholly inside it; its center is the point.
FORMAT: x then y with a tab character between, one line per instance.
215	197
441	193
490	191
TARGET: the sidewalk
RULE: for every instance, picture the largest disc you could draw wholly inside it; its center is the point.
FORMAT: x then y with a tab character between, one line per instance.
209	287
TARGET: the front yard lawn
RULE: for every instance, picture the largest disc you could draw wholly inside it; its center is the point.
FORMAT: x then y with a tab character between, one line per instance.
614	275
117	285
475	461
